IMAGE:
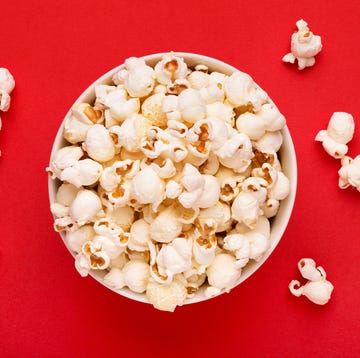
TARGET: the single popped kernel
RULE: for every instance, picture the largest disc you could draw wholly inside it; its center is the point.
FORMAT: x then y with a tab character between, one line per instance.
349	173
7	84
339	132
304	46
317	289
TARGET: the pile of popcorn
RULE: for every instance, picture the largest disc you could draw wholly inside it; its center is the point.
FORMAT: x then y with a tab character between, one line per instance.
7	84
170	179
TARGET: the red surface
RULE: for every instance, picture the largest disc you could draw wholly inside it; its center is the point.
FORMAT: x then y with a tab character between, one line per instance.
55	50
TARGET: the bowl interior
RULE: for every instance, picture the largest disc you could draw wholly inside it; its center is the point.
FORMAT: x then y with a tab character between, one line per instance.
286	154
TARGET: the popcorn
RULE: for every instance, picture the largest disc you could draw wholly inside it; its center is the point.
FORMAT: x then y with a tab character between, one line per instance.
191	105
166	297
85	207
7	84
349	173
4	101
98	143
317	289
241	90
170	68
82	117
339	132
222	274
166	226
169	178
136	275
82	173
304	46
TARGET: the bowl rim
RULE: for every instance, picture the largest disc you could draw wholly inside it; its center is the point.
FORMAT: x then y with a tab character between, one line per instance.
286	205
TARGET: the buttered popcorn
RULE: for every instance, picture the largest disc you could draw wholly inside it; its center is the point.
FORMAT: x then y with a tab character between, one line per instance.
169	180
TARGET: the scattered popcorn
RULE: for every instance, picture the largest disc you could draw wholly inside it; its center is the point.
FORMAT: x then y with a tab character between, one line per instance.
304	46
317	289
339	132
349	173
7	84
169	179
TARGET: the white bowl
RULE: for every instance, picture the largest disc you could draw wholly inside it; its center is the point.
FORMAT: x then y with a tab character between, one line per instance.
286	154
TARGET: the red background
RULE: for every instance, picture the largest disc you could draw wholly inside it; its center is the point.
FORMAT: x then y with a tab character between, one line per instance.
55	49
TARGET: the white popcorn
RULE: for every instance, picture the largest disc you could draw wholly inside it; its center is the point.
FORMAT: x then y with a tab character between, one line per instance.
170	68
99	144
166	297
59	210
317	289
136	275
211	165
152	109
82	264
131	132
210	192
349	173
4	101
115	278
165	170
82	173
241	90
82	117
166	226
270	142
280	188
176	128
161	188
339	132
107	245
76	239
304	46
204	248
85	207
64	158
246	209
236	153
212	93
179	85
122	216
170	107
139	235
240	245
219	212
139	79
223	272
148	187
7	82
193	183
173	189
117	101
273	119
98	259
251	124
198	79
66	194
106	227
191	105
221	111
174	257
